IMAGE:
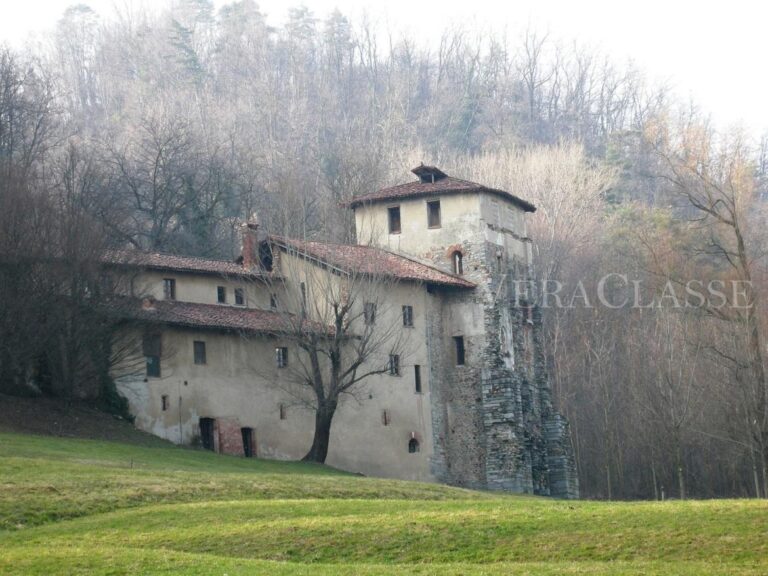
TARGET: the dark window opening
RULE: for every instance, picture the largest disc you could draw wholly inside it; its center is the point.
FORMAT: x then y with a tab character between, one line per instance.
273	301
460	351
249	446
165	403
385	420
265	256
394	365
369	313
303	298
169	288
433	214
417	378
281	356
151	347
239	297
283	412
413	446
458	262
221	294
207	429
106	283
408	316
199	352
394	220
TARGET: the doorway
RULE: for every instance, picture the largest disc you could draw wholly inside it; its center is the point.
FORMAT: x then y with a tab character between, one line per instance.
249	445
207	427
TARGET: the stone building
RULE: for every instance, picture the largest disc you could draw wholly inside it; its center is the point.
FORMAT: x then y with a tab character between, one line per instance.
468	405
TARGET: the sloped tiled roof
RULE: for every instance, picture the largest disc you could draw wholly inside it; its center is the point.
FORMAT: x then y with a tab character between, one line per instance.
442	185
158	261
207	316
373	261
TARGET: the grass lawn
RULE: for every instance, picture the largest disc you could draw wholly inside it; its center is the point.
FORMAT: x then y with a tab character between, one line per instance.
82	507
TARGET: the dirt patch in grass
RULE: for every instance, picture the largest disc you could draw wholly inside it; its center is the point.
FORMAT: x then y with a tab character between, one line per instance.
68	419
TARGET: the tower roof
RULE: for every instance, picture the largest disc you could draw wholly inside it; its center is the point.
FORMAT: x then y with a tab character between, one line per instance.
433	181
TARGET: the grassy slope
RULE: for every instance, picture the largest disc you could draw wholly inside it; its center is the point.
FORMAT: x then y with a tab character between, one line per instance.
79	506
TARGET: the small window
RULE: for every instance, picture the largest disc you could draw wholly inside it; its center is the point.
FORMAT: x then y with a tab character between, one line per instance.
369	313
199	351
458	263
151	346
394	365
413	446
385	420
408	316
394	220
169	288
165	403
221	294
283	412
303	298
273	301
281	356
433	214
417	378
460	352
239	297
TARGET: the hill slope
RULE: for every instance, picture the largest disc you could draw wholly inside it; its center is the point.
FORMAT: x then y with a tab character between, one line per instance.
82	507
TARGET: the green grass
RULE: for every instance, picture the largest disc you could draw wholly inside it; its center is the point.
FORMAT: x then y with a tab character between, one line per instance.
84	507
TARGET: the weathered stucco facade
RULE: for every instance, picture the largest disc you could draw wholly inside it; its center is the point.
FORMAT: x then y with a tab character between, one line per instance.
481	414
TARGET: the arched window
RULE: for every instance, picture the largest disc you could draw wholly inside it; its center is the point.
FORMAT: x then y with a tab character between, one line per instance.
413	446
458	264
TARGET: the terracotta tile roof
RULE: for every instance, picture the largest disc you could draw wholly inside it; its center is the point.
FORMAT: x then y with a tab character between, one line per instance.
206	316
157	261
373	261
442	185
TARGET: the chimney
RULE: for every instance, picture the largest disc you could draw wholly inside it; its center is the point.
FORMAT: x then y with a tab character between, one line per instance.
256	252
250	252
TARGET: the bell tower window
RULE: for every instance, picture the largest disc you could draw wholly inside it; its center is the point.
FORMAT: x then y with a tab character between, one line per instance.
433	214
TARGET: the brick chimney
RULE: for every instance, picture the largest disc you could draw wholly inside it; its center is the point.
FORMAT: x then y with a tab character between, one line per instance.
250	251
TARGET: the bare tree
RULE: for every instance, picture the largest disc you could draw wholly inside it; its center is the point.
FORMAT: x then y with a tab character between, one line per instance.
343	325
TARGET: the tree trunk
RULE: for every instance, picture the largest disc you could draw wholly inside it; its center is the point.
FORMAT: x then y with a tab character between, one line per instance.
323	420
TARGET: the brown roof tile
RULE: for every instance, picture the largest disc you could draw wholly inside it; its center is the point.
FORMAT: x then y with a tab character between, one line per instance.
443	185
206	316
373	261
157	261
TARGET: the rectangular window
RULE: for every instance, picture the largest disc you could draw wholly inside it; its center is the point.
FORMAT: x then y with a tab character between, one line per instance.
239	297
394	219
460	352
433	214
394	365
281	356
283	412
165	402
199	350
369	313
385	417
303	298
408	316
151	346
221	294
273	301
169	288
417	378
